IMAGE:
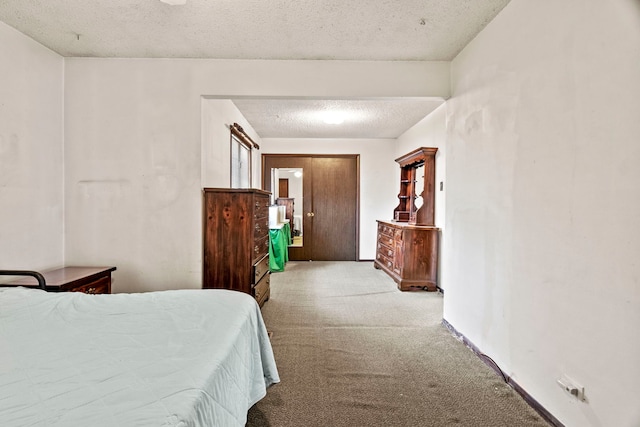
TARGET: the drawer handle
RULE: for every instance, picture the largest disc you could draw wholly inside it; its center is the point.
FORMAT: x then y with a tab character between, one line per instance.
256	249
91	291
389	253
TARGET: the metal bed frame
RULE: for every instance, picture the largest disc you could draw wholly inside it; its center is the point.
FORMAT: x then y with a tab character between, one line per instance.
39	277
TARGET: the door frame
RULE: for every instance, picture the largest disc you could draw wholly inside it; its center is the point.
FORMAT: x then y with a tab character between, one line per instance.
299	161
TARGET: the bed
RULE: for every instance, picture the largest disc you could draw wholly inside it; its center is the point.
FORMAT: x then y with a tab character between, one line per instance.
184	358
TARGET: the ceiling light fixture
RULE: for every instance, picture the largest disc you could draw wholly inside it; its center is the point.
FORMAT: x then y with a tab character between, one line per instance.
333	117
174	2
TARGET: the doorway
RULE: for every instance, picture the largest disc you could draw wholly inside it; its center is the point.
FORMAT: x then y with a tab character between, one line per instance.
328	212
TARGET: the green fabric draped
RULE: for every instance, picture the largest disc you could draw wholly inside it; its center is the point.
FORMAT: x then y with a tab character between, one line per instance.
279	241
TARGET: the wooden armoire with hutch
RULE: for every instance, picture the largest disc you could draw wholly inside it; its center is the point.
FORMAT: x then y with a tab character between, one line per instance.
236	241
407	246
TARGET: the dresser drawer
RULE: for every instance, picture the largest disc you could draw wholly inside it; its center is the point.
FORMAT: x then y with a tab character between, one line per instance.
262	290
260	248
100	286
261	228
385	250
384	260
261	208
260	268
385	230
385	240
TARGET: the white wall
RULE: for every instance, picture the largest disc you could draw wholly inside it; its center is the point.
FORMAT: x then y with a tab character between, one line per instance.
134	166
378	189
543	210
31	161
217	116
430	132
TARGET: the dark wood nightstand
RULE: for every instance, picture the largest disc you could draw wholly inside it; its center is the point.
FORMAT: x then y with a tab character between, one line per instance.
90	280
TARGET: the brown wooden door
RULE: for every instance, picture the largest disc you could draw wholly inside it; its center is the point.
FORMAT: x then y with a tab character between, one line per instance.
333	203
283	189
329	207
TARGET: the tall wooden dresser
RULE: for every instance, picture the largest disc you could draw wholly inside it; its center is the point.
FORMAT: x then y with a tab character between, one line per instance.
236	241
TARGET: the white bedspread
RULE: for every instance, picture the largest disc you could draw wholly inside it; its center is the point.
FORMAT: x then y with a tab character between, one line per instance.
172	358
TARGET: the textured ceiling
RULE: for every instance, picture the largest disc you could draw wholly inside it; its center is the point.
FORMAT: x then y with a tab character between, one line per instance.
426	30
363	118
385	30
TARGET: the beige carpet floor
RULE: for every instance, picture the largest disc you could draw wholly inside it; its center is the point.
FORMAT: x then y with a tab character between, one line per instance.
352	350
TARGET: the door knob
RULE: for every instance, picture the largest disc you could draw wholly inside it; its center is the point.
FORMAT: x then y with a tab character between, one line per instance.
310	214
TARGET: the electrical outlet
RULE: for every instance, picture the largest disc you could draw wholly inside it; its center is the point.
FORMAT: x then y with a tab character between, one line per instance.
572	387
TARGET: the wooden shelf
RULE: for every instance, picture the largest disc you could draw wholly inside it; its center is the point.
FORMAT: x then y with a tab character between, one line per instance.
425	215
